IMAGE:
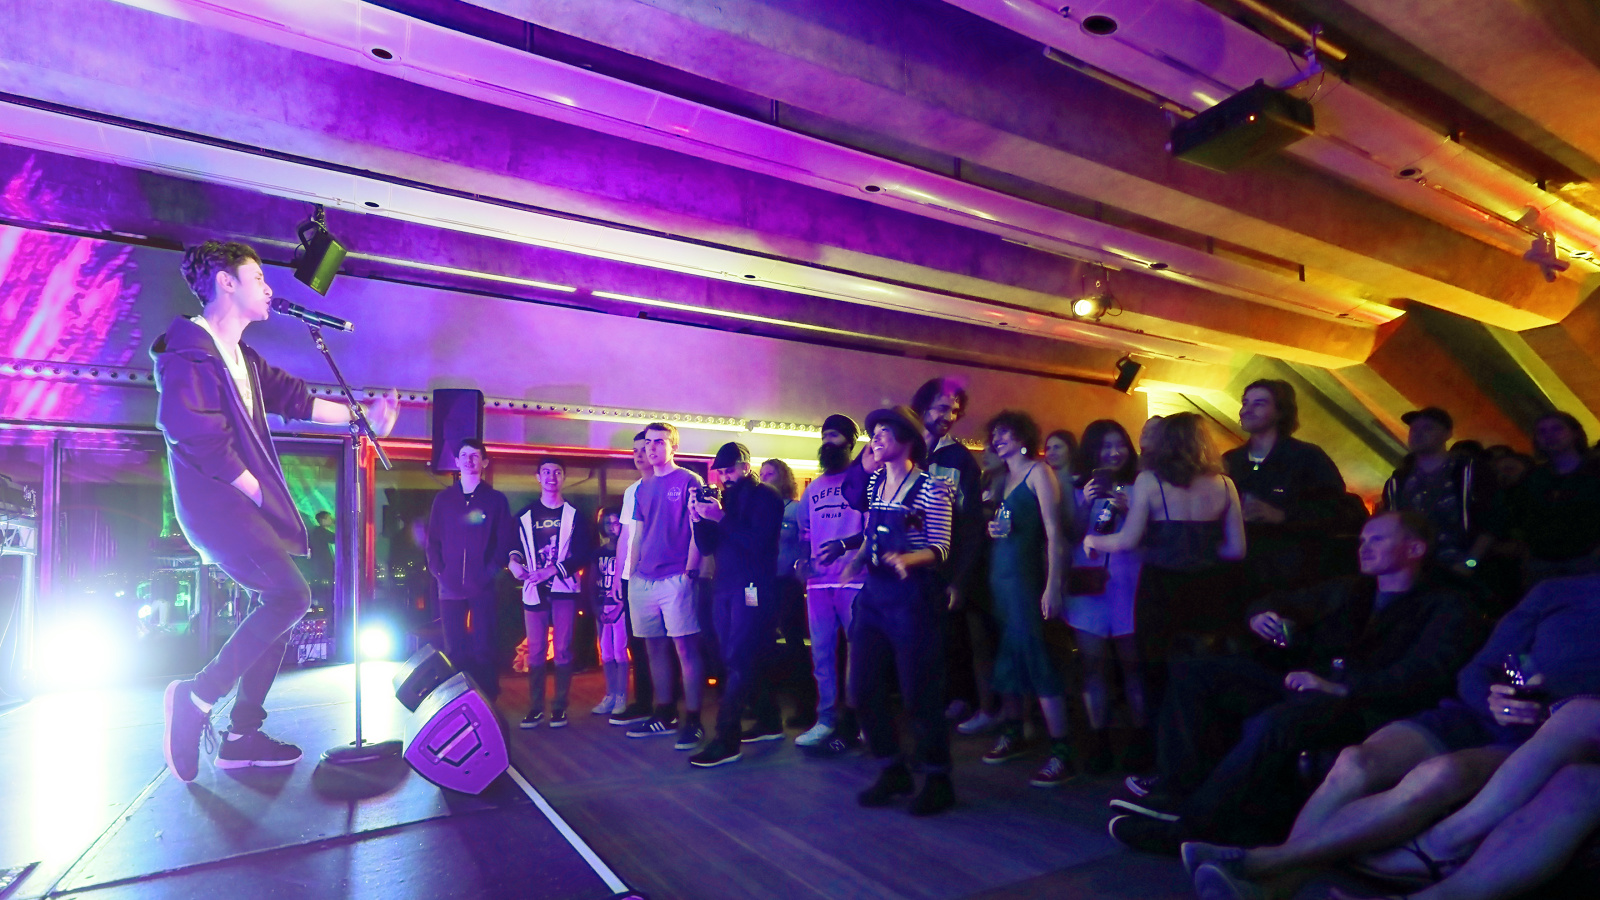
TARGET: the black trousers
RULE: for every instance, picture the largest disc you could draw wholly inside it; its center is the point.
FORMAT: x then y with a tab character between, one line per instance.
1230	738
251	657
898	627
472	648
745	636
639	659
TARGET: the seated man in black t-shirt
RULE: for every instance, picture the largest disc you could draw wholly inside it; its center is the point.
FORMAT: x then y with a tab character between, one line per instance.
1353	654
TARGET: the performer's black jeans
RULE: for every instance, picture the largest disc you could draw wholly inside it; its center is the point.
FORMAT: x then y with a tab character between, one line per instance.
251	657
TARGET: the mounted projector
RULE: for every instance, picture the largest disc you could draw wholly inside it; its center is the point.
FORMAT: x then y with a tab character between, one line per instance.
1252	124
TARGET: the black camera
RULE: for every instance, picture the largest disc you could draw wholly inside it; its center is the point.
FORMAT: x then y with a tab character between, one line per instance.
705	493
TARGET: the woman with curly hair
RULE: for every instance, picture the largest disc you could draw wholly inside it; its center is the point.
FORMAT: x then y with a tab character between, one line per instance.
1186	513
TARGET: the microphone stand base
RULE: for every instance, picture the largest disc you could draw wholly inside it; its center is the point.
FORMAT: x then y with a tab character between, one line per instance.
358	752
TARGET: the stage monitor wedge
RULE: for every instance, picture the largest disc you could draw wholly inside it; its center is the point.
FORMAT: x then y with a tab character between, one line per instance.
1251	125
419	675
453	738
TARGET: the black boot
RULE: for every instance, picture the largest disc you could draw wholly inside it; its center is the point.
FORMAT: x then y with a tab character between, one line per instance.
938	794
893	781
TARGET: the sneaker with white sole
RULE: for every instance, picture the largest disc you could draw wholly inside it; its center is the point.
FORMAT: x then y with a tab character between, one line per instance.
1007	747
186	726
815	735
979	723
254	749
606	706
655	726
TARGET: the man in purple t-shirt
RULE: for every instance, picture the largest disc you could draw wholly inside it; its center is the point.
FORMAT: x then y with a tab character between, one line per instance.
828	524
661	596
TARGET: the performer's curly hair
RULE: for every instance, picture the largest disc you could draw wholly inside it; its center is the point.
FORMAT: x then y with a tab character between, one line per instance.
202	263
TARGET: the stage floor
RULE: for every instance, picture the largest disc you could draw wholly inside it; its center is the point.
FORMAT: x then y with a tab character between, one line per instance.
89	804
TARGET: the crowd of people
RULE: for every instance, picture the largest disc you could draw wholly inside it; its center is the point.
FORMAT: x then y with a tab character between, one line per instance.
1413	693
1409	691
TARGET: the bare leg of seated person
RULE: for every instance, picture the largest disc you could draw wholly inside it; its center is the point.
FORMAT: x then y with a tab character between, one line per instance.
1530	846
1571	735
1379	792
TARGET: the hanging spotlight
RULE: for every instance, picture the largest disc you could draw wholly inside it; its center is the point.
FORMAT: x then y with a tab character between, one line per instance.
1094	306
320	253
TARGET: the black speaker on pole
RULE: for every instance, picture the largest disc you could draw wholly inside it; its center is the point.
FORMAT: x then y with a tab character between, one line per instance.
457	414
419	675
1127	373
453	738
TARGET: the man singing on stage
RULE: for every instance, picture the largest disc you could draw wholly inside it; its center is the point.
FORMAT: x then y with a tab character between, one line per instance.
231	498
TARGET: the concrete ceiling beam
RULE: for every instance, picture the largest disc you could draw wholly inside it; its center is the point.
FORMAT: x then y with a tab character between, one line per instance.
927	73
370	122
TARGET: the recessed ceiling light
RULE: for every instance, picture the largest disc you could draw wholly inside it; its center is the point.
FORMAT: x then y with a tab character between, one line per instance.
1099	25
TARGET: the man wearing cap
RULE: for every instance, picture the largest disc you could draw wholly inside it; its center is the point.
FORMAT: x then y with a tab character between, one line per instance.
829	526
741	529
898	616
1442	487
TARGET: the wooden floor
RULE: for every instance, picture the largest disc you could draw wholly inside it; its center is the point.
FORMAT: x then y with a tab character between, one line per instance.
777	824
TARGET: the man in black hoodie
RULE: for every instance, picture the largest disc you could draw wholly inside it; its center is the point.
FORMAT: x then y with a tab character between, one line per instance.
230	496
741	530
1352	654
470	538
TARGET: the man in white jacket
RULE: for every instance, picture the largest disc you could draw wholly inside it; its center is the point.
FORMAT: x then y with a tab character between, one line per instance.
556	544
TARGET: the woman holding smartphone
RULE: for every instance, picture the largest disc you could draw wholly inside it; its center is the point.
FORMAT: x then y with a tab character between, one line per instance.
1101	586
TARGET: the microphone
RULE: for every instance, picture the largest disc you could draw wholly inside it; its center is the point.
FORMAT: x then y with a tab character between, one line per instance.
310	316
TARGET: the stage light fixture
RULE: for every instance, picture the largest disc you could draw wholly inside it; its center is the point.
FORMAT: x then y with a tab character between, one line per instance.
320	253
1094	306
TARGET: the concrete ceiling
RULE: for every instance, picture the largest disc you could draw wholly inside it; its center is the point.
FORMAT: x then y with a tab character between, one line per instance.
913	176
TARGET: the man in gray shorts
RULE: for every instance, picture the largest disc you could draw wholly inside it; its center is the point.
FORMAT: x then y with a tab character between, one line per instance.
661	596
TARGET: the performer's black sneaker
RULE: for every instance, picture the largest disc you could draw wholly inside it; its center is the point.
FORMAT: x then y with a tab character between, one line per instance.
1147	835
253	748
185	725
558	718
893	781
839	745
532	719
632	715
716	753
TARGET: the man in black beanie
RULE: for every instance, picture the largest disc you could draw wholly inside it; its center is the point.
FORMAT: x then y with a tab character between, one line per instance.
741	529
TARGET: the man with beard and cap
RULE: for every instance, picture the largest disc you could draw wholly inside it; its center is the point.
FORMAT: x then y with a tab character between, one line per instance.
939	403
740	528
829	526
897	624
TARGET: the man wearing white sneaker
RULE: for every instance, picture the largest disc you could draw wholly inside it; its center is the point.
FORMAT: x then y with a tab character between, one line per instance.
829	526
661	595
230	496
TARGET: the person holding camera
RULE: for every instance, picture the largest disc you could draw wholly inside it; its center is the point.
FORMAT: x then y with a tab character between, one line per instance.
899	614
740	526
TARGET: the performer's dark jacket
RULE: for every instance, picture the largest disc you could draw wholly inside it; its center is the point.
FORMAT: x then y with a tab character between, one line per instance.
212	439
1396	662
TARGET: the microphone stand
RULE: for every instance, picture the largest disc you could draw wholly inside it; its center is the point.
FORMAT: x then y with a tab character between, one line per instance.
358	751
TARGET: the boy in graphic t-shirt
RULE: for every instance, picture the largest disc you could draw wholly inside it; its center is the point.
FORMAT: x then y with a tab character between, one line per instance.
556	546
661	601
611	624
